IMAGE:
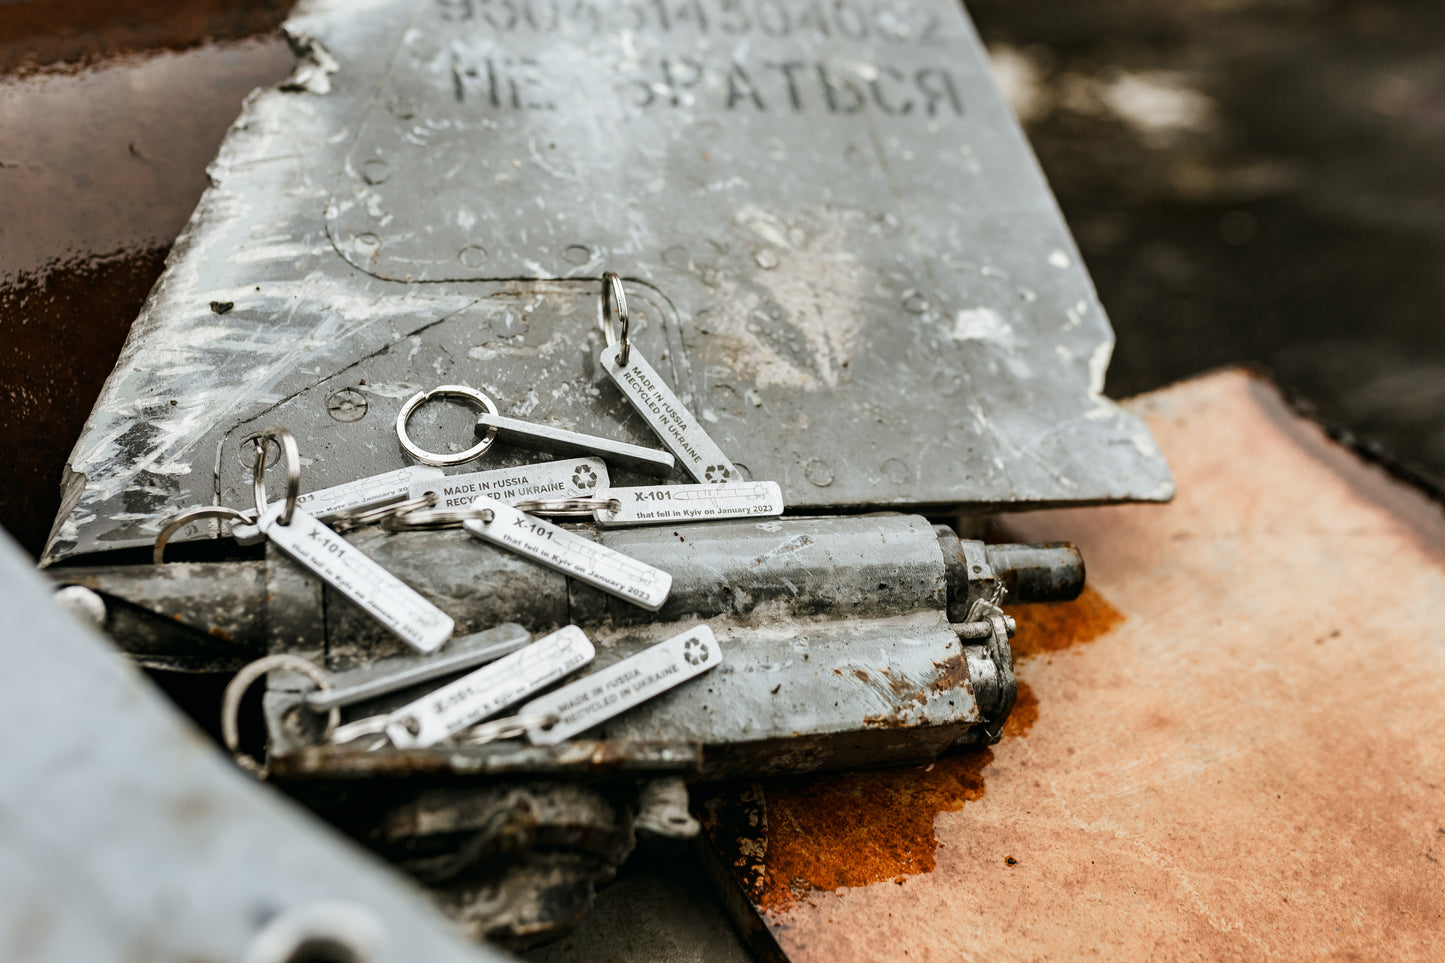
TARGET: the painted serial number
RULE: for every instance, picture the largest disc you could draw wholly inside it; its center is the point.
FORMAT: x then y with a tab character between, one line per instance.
848	19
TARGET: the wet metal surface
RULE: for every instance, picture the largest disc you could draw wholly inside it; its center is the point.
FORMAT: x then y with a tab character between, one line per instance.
1229	747
109	115
395	216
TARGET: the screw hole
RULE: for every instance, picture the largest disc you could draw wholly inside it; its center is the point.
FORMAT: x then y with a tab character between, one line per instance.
318	933
323	951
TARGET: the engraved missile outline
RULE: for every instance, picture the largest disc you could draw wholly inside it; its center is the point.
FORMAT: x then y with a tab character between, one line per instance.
716	500
604	568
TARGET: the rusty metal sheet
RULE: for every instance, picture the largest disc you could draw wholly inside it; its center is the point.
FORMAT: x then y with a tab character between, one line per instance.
1226	748
837	245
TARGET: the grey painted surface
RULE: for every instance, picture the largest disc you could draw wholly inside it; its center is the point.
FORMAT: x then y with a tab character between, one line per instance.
837	248
124	835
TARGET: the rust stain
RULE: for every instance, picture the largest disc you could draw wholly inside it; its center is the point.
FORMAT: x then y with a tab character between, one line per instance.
788	839
85	306
1052	626
903	693
1025	714
49	35
952	674
796	836
112	110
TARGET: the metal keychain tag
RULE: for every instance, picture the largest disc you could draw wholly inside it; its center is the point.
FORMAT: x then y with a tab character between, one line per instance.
560	441
571	478
394	674
346	568
570	553
524	434
371	492
645	390
490	689
659	504
595	698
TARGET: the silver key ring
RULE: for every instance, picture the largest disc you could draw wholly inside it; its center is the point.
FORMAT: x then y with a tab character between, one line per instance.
612	294
287	443
354	518
445	391
567	507
178	522
360	728
508	728
426	521
236	688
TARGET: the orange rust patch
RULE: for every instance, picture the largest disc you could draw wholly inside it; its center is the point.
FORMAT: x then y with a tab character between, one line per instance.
1051	626
821	833
1025	714
952	674
784	839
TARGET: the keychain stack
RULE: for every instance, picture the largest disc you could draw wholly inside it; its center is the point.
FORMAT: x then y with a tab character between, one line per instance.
503	507
513	768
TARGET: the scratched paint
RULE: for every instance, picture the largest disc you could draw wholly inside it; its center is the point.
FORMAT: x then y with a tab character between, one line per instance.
815	245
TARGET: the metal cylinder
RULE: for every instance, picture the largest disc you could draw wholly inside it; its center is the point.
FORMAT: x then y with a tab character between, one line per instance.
1050	572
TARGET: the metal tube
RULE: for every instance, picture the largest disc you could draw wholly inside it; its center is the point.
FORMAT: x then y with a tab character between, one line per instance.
214	616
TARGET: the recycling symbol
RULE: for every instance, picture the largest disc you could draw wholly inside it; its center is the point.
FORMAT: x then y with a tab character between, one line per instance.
695	651
584	477
717	473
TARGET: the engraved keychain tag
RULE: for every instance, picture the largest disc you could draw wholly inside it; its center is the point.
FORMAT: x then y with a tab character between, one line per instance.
570	478
645	390
659	504
665	414
372	492
592	700
490	689
571	554
387	598
403	671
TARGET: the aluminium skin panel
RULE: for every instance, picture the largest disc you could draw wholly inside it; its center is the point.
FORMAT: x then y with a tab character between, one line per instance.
836	244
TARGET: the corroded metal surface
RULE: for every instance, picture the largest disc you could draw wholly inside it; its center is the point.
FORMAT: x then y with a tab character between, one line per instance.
580	757
839	648
1226	748
838	250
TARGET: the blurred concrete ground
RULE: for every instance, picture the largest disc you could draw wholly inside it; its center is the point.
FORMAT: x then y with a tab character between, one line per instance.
1253	180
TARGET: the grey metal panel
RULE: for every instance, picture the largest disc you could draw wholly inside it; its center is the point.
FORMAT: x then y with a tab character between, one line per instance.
125	836
838	248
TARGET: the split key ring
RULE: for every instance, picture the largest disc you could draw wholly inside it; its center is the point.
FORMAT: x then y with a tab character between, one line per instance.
434	458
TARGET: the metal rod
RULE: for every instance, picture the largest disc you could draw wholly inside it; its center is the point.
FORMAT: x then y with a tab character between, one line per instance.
559	441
